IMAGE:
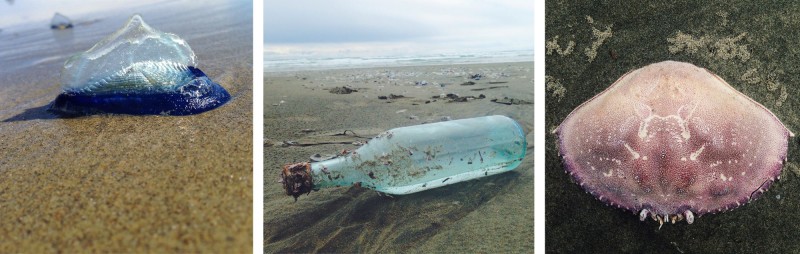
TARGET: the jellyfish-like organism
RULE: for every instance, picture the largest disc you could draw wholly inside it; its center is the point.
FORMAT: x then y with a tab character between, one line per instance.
137	70
60	22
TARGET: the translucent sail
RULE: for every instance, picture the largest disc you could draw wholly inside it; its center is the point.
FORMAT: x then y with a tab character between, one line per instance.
134	50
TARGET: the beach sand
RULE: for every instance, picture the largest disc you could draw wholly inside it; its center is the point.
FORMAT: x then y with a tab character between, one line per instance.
492	214
114	183
750	45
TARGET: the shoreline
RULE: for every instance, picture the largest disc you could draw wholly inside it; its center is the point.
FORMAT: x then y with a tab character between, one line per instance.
394	66
278	64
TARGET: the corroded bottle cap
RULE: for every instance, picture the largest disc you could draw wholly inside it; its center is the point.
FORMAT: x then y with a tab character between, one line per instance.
296	179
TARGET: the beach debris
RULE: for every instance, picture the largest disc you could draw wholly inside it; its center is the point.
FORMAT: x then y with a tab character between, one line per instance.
137	70
342	90
344	133
477	76
304	131
487	88
391	96
511	101
400	111
468	83
60	22
456	98
416	158
446	118
322	139
288	143
459	99
672	141
413	117
421	83
319	157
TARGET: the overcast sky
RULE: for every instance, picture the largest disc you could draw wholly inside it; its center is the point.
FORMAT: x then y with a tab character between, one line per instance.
405	27
16	12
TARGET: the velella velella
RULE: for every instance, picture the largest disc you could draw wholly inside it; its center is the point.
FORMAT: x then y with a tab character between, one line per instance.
60	22
137	70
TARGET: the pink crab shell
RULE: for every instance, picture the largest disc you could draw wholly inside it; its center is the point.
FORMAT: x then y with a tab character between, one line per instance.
672	140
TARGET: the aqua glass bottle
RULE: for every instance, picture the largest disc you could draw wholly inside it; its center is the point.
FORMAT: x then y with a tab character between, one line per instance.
416	158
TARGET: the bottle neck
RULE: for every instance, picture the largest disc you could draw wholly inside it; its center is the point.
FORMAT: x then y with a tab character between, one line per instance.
335	172
296	179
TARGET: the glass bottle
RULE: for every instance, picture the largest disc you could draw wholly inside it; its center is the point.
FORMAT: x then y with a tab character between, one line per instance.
411	159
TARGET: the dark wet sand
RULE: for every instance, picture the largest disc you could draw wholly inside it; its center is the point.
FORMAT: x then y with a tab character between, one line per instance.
750	45
131	183
493	214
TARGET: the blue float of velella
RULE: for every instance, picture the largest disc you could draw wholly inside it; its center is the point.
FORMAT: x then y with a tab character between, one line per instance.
137	70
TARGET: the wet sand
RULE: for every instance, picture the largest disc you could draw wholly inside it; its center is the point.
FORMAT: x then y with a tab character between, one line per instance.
747	44
492	214
113	183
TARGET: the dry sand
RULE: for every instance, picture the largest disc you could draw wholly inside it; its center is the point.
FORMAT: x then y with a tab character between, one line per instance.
493	214
131	183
